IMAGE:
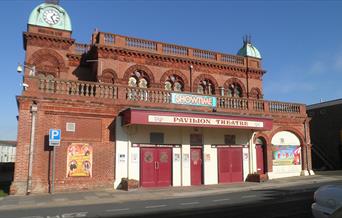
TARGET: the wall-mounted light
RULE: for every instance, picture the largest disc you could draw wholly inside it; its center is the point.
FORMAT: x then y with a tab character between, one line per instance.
32	69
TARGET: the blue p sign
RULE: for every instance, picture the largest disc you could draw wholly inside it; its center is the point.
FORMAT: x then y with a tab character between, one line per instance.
55	135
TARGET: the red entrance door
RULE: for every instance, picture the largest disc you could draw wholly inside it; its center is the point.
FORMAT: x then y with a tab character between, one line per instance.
196	166
155	167
260	159
230	164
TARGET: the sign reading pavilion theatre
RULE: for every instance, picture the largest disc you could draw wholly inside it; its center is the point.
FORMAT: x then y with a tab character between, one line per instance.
194	100
204	121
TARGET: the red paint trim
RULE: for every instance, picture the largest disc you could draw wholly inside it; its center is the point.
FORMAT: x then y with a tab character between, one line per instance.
136	116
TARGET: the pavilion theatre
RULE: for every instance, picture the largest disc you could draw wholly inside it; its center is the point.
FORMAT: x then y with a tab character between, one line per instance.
147	114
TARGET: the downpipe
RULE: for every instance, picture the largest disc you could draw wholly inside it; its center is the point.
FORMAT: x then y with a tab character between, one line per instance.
33	111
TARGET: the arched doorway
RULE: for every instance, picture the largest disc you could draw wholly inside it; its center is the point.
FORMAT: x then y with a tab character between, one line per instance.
286	154
260	147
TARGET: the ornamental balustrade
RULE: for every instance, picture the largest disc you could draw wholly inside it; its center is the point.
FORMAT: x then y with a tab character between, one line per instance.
110	39
133	95
81	48
78	88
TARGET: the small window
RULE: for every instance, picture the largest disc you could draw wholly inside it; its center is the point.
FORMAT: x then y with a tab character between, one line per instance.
229	139
156	138
196	139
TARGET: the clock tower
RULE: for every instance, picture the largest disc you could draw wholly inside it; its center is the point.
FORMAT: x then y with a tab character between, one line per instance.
48	41
51	15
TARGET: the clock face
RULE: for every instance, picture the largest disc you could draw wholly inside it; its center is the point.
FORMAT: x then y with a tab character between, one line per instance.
51	16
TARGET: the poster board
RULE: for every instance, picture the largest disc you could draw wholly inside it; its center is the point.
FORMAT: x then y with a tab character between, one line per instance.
286	155
79	160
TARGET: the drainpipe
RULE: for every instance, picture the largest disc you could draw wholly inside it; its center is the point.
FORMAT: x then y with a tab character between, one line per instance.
191	67
33	111
306	149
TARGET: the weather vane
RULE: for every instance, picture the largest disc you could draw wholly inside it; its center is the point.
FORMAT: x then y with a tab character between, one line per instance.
247	39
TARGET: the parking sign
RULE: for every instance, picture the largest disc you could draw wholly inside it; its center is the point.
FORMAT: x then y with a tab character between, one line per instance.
54	137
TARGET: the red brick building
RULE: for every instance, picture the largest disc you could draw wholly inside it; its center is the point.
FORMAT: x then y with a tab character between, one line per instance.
158	113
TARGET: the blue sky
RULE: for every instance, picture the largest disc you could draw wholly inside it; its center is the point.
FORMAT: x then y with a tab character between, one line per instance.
300	41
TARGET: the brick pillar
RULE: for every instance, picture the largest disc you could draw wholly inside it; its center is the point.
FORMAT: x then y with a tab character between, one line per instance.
309	157
19	184
269	157
303	158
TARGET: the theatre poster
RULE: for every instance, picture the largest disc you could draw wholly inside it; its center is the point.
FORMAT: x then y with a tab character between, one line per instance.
79	160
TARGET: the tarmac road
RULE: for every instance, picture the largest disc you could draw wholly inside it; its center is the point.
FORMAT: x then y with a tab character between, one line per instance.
279	198
273	203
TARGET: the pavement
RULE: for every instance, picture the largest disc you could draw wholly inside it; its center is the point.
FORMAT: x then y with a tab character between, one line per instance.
143	194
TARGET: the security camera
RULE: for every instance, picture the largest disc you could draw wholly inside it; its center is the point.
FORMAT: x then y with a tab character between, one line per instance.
25	86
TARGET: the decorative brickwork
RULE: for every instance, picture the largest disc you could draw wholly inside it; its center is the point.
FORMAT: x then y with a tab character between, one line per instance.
203	77
89	100
233	81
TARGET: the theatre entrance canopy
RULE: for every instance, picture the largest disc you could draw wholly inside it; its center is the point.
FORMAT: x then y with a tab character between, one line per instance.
133	116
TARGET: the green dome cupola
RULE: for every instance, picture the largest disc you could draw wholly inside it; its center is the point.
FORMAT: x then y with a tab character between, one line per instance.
248	50
50	15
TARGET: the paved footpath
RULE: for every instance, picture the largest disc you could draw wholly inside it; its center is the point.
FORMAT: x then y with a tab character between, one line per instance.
118	196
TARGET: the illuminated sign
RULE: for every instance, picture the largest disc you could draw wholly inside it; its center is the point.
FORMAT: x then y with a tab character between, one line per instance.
204	121
195	100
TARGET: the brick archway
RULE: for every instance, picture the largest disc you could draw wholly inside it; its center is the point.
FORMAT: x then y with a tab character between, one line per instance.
262	135
203	77
48	61
267	150
179	74
235	80
138	67
255	92
300	136
108	76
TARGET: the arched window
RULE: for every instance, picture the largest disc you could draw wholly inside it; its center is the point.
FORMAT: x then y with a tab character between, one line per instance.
234	90
206	87
255	93
108	77
138	79
174	83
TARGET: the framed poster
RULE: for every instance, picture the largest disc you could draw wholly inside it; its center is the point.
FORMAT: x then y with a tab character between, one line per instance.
286	155
79	160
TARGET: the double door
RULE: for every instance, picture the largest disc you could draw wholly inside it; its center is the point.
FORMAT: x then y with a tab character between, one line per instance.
230	164
155	167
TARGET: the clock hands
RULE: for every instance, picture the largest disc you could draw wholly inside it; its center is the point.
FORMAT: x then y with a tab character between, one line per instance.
54	18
